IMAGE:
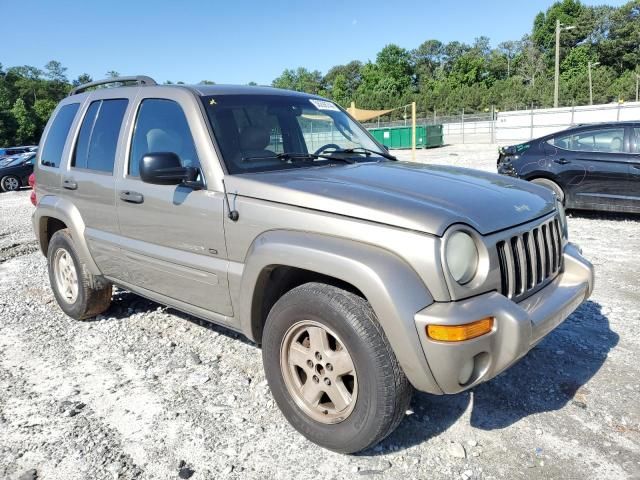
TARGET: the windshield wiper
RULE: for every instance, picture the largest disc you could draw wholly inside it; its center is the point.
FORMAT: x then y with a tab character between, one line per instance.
367	152
299	156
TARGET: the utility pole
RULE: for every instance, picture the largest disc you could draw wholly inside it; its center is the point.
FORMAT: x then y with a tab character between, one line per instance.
413	131
556	85
589	65
637	85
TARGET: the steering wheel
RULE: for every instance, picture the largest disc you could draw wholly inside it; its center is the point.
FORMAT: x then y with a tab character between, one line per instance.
324	147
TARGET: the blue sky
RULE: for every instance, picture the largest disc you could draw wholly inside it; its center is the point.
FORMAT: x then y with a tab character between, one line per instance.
237	41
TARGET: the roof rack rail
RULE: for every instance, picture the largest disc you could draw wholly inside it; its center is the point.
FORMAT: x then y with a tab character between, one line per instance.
138	79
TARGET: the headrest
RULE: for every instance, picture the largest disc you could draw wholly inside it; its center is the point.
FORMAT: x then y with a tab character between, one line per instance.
616	144
159	140
254	137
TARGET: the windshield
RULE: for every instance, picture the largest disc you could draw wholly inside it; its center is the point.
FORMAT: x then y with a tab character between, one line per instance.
273	132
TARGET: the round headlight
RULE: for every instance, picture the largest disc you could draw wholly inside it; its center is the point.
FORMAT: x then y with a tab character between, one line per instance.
462	257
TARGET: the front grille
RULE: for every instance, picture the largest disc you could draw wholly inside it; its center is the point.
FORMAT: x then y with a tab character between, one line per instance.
530	259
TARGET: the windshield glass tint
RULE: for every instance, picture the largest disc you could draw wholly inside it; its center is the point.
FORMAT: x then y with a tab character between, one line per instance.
252	130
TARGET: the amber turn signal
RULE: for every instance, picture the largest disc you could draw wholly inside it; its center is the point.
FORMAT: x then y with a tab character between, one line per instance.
459	333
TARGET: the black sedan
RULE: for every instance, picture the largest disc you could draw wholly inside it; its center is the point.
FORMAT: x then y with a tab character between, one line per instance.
15	173
590	167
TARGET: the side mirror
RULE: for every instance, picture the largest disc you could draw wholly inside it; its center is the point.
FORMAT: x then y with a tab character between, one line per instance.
164	168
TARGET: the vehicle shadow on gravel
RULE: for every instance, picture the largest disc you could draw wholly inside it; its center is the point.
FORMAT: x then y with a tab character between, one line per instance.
125	303
601	215
551	376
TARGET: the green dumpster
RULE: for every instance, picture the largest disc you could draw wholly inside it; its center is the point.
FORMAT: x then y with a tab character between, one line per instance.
433	136
400	137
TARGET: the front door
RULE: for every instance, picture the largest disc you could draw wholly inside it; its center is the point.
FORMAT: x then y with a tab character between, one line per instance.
634	169
593	167
171	236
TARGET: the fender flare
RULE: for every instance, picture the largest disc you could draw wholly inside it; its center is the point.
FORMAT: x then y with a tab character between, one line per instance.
391	286
52	206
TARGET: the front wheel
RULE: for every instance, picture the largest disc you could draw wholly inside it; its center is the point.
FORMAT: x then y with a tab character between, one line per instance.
331	369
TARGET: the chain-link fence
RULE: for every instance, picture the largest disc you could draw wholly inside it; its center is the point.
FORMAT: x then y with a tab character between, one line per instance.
516	126
461	128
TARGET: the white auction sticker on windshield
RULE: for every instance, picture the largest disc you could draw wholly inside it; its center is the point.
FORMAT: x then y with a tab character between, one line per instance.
324	105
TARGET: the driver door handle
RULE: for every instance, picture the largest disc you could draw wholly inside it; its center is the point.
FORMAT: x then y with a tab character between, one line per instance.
131	197
562	161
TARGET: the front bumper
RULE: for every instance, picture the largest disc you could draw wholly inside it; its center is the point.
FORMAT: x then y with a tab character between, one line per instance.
518	327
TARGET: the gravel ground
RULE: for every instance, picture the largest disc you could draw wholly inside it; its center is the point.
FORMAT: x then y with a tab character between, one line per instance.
147	392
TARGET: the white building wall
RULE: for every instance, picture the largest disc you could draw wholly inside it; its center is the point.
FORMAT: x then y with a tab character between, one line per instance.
522	125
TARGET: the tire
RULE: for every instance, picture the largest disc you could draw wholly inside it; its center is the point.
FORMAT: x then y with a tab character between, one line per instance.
379	391
10	183
86	300
551	185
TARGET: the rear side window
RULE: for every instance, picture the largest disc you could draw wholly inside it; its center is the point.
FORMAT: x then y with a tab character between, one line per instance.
57	136
98	138
609	140
161	126
636	140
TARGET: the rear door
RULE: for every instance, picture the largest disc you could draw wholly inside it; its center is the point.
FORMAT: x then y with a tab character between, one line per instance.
88	178
172	237
634	168
593	167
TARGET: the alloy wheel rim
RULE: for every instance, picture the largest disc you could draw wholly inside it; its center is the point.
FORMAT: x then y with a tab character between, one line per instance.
318	372
11	184
65	275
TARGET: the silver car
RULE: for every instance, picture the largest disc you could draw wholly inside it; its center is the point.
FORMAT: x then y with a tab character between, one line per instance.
275	214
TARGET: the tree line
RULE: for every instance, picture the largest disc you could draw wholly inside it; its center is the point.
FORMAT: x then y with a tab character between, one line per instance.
516	74
441	77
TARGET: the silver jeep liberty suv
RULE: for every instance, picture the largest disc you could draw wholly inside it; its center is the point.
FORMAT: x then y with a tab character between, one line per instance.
275	214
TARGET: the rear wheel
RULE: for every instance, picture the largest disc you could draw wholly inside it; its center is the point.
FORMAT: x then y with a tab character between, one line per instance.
77	292
10	183
551	185
331	369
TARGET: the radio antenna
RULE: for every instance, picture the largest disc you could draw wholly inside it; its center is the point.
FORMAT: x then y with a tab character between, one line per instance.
233	214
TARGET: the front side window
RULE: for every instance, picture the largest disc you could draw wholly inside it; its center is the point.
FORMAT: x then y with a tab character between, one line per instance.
98	138
161	126
609	140
272	132
57	136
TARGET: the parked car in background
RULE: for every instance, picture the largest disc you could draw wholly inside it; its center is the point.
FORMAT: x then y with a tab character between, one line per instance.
589	167
14	174
12	151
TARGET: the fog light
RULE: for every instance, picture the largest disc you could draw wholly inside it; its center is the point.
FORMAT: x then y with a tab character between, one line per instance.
466	371
459	333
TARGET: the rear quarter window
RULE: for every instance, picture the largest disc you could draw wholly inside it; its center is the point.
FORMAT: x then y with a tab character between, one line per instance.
57	136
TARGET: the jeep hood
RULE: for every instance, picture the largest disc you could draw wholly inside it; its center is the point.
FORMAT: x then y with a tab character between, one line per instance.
425	198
